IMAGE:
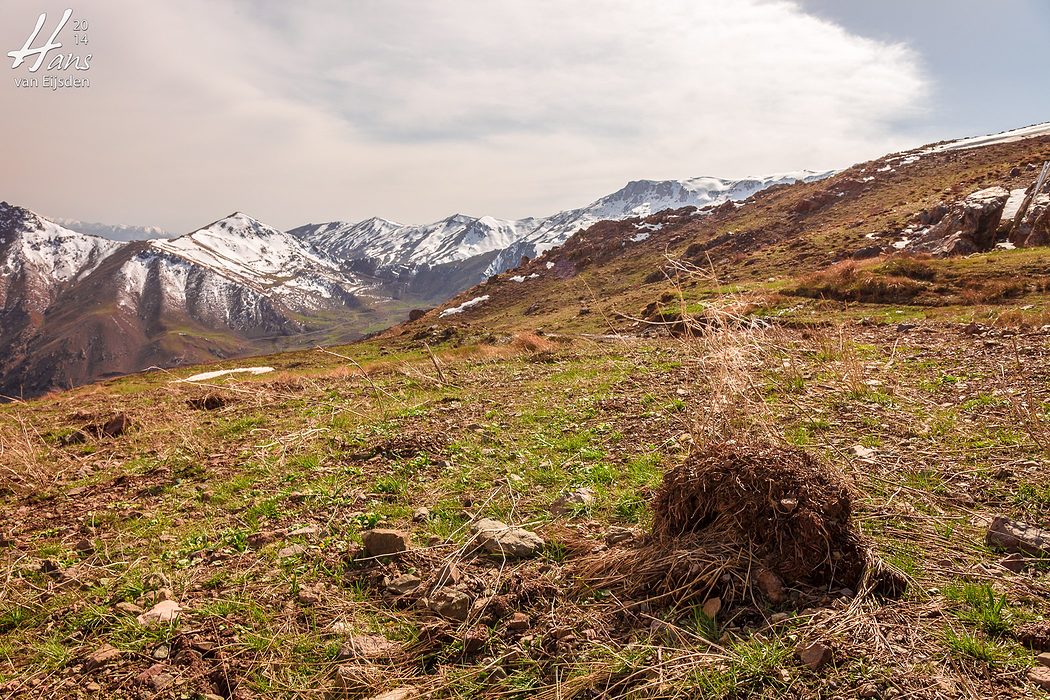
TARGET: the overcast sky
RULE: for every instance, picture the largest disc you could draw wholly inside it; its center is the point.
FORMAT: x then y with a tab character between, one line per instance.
314	111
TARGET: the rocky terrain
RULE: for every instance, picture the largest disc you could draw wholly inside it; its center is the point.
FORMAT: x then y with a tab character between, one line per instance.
793	446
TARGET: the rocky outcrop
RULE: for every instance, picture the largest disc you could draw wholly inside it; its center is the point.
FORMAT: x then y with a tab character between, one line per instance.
1034	227
968	226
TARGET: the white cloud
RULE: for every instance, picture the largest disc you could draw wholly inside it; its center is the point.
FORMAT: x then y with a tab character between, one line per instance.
411	110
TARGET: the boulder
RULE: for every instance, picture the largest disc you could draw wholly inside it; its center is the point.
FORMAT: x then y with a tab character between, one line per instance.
1034	227
1018	537
383	542
505	540
968	226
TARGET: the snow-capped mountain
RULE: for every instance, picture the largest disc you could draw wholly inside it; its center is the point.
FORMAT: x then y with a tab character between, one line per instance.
394	248
115	232
639	198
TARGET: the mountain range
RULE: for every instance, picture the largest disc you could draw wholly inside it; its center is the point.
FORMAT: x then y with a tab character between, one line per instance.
76	307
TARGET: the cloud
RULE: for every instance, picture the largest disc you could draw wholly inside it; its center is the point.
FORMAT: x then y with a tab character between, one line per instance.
409	110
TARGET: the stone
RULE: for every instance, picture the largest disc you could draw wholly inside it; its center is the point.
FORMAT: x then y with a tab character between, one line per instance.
307	596
815	655
712	606
504	540
162	652
617	534
260	539
290	551
1034	228
450	603
128	608
518	622
771	585
778	617
1018	537
403	584
164	612
1014	562
84	547
1043	659
405	692
384	542
868	690
305	531
1040	676
572	501
474	639
101	656
368	647
421	515
967	226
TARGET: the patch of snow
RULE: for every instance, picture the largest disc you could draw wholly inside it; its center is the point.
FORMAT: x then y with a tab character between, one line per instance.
640	236
517	278
464	306
910	159
205	376
1010	136
902	243
1006	245
549	265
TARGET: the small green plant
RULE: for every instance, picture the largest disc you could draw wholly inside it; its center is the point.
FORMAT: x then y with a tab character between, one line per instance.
982	608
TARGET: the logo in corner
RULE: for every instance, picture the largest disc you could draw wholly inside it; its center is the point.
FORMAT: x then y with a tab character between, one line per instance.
55	68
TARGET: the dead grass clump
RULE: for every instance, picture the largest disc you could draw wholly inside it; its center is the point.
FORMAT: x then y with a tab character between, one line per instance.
850	281
992	291
792	512
530	342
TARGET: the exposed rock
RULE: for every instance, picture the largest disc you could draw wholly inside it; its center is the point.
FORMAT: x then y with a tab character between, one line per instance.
1018	537
451	603
292	550
968	226
1040	675
368	647
518	622
128	608
507	541
814	655
771	585
305	531
259	540
1034	227
568	502
617	534
163	612
421	515
1043	659
712	606
403	693
474	639
404	584
1014	562
870	251
384	542
101	656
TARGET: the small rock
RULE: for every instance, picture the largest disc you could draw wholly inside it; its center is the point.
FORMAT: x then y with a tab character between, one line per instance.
369	647
259	540
84	547
101	656
290	551
518	622
566	503
305	531
712	606
161	681
451	603
92	687
383	542
163	612
814	655
1040	675
403	584
128	608
162	652
777	618
1014	562
402	693
511	542
308	597
616	534
868	690
771	586
474	639
863	452
1043	659
1018	537
421	515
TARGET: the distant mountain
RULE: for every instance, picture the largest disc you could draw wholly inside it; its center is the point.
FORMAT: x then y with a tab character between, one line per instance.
115	232
76	307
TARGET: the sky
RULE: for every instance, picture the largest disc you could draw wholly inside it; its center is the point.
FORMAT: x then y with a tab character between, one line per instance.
339	110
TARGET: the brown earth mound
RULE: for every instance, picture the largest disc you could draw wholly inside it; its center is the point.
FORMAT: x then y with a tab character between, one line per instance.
790	511
734	520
